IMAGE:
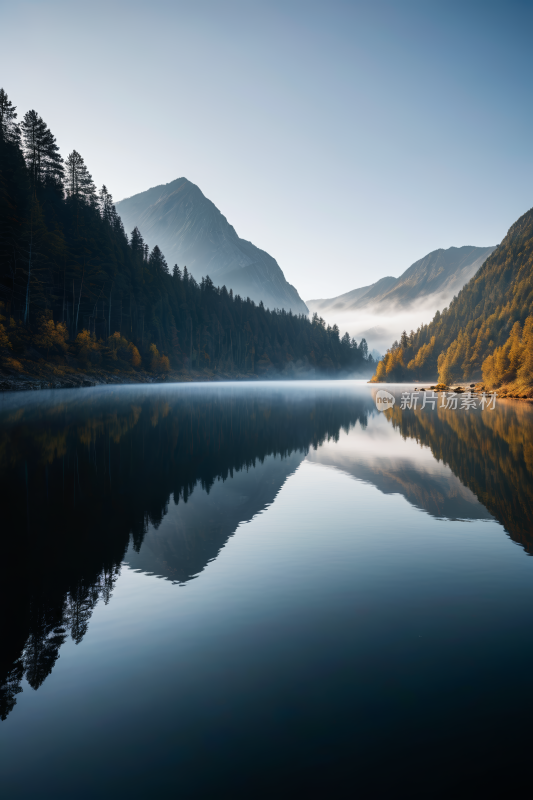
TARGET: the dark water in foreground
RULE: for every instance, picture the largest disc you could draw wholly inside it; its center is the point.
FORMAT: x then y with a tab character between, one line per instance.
263	590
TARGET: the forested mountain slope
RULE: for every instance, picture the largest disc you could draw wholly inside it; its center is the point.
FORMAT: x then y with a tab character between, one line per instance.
488	319
191	231
78	293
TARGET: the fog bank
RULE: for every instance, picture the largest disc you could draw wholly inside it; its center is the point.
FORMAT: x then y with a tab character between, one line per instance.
381	327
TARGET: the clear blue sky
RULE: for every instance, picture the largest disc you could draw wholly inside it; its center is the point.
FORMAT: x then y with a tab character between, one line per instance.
348	139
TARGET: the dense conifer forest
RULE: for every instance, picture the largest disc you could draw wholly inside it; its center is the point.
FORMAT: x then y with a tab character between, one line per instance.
79	293
487	331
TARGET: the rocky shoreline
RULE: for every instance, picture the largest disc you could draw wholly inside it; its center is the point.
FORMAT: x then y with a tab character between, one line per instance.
460	388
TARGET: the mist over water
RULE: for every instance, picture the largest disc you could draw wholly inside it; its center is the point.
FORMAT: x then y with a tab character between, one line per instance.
205	584
381	327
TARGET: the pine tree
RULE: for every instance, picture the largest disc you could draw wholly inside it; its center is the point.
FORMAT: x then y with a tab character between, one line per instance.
157	261
79	183
107	209
33	131
41	151
9	129
137	242
53	169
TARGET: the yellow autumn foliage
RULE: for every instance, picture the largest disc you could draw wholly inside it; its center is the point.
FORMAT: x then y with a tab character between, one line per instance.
510	367
51	334
158	363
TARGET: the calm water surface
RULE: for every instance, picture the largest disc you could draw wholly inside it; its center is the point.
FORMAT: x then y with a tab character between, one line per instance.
263	590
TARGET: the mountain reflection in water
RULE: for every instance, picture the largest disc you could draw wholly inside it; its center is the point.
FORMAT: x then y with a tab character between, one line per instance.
161	477
88	472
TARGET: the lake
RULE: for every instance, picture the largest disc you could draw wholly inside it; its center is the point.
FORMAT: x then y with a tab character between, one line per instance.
263	590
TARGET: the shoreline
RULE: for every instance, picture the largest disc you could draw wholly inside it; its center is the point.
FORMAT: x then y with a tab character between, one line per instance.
47	379
464	387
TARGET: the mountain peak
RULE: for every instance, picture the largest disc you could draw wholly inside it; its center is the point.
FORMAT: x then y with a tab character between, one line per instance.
192	232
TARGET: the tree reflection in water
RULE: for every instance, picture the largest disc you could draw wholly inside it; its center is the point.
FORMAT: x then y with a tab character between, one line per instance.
85	473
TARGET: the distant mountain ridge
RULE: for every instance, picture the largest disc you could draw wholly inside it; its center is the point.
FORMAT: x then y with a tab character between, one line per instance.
441	273
192	232
345	302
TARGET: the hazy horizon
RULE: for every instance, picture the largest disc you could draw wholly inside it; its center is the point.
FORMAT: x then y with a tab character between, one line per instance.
381	328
